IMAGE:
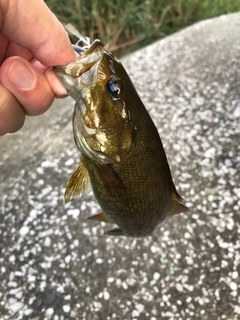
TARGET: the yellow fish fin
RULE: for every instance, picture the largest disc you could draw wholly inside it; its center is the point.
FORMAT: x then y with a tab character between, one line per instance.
114	232
110	180
101	217
78	185
177	205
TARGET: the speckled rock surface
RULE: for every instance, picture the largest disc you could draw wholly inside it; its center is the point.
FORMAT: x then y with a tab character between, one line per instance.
56	265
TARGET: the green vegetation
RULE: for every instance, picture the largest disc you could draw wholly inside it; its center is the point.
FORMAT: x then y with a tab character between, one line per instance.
129	24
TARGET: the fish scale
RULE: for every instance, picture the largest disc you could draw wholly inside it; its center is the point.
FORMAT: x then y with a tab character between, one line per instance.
149	185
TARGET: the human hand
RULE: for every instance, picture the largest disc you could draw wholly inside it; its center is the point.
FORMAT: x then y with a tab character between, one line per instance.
31	41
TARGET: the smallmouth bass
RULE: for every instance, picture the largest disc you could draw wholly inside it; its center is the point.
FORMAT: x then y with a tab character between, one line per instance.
122	156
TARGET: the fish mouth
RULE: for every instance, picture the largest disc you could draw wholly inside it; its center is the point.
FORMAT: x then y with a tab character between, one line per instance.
83	71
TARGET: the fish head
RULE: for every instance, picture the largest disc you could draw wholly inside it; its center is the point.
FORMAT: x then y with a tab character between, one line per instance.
102	122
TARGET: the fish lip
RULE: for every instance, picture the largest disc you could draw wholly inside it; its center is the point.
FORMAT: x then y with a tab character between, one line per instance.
59	68
81	72
88	58
97	44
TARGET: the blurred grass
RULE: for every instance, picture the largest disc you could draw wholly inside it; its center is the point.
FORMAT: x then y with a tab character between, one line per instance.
126	25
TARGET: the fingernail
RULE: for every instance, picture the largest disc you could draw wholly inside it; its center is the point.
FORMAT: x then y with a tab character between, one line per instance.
21	76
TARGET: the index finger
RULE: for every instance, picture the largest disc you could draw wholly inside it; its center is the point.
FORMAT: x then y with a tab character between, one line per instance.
31	24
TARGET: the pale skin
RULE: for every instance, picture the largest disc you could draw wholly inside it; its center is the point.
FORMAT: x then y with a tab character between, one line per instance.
32	40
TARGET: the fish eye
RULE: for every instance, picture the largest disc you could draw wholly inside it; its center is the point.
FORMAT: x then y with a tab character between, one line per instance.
115	87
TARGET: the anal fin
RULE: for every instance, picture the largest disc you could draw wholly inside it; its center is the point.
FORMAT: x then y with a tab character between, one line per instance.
101	217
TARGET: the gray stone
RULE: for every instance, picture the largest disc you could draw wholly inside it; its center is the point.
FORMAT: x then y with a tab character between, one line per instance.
190	84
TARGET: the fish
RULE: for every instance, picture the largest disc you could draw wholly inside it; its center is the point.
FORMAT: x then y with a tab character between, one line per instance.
121	154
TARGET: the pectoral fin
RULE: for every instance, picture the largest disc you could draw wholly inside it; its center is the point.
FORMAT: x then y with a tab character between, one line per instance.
101	217
177	206
114	232
110	180
78	185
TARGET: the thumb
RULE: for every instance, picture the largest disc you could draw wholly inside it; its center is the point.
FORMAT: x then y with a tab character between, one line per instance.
30	87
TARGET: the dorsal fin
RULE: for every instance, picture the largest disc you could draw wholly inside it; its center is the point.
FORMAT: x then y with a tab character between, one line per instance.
78	185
